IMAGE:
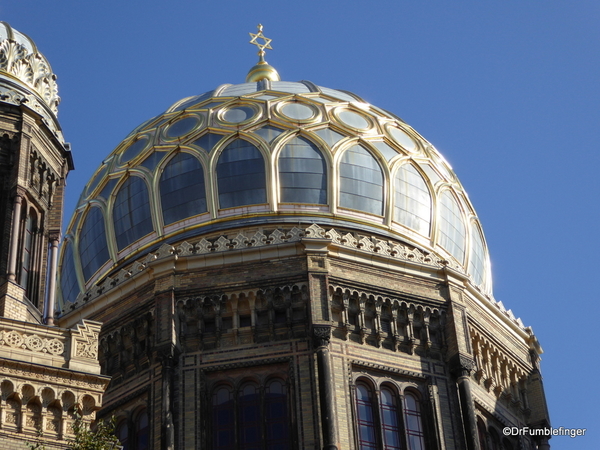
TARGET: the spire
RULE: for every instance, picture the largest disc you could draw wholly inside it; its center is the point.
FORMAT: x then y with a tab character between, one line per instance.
262	70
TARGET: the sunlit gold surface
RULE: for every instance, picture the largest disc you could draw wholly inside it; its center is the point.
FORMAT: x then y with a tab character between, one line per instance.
262	70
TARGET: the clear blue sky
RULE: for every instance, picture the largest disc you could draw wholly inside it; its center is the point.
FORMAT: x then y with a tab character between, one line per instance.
507	90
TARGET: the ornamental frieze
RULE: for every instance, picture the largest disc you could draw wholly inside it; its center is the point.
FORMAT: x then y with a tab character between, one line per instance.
31	342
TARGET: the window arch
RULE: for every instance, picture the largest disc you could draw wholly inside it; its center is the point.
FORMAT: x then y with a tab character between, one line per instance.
69	286
93	249
253	416
131	212
122	433
302	173
412	204
241	177
452	234
477	255
182	191
388	420
142	431
361	181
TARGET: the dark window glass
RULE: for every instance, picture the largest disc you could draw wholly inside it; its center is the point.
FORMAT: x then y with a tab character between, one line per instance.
208	141
182	192
223	419
366	419
276	421
27	252
302	173
390	420
249	417
142	432
413	426
131	213
68	279
361	181
241	175
122	434
93	249
268	132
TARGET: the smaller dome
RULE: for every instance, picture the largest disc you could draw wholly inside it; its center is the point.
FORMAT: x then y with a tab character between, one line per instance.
25	74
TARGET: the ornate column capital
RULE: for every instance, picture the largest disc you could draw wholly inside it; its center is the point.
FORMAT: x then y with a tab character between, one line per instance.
321	335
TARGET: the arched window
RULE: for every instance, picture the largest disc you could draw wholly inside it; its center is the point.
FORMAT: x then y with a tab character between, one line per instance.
413	201
241	175
366	418
385	421
69	286
276	416
477	255
251	417
131	213
482	435
93	249
413	422
361	181
182	192
142	431
223	418
452	229
390	420
27	253
122	433
302	173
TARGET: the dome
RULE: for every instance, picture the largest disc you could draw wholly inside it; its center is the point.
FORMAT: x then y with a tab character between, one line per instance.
26	76
270	155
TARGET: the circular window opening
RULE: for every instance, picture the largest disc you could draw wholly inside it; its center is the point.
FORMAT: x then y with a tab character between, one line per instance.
183	126
354	120
134	150
403	139
238	115
298	111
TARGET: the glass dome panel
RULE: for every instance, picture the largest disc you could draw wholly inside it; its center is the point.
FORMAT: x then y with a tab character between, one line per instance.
361	181
131	213
387	151
241	175
238	114
337	94
92	185
208	141
297	111
354	120
302	173
329	136
69	286
477	256
93	249
268	133
238	90
152	160
183	126
413	200
133	150
403	139
452	228
182	192
291	87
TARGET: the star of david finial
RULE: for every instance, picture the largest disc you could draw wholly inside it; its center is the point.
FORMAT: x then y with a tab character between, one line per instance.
266	42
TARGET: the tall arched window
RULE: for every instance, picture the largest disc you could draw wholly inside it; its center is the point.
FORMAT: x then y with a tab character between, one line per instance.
412	204
241	175
69	287
142	431
182	192
131	213
366	418
387	420
361	181
477	255
251	417
93	249
413	422
122	433
28	245
452	228
223	419
302	173
390	419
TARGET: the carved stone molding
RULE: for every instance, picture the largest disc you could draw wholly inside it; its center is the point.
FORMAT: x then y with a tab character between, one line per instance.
32	342
321	335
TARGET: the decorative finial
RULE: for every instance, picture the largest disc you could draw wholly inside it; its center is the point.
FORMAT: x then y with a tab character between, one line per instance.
262	70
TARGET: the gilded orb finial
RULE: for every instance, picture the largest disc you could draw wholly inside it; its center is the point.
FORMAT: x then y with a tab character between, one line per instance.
262	70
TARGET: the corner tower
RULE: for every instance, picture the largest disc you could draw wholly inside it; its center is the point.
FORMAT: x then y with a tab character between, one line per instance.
47	374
